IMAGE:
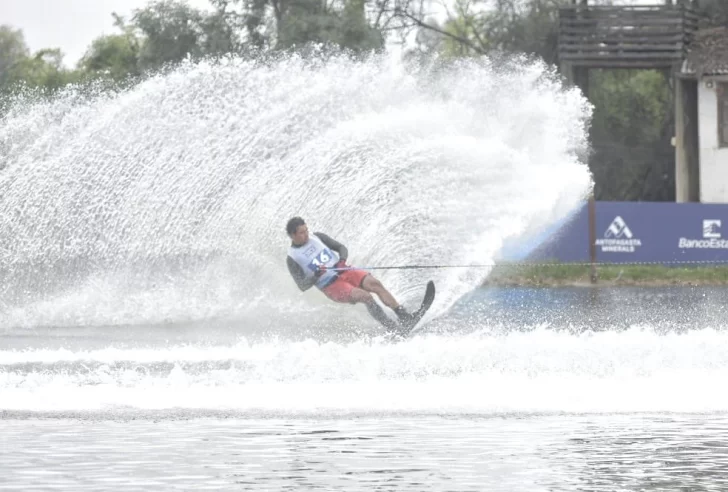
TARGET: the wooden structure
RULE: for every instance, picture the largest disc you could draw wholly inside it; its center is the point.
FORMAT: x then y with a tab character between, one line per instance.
664	36
643	37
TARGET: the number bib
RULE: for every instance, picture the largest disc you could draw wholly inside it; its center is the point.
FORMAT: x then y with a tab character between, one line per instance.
313	255
323	258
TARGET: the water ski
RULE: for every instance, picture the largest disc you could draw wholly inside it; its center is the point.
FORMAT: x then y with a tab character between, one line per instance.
406	329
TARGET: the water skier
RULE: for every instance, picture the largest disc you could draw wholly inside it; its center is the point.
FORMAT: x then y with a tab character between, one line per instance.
311	261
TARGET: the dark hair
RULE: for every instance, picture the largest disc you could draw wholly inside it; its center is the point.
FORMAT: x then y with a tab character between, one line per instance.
294	224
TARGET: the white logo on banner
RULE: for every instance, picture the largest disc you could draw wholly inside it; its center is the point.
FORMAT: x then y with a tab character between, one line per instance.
711	228
618	238
711	237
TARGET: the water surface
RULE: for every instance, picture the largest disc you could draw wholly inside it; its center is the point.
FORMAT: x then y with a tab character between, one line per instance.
517	389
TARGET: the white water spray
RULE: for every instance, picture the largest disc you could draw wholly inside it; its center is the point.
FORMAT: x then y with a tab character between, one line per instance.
167	201
541	371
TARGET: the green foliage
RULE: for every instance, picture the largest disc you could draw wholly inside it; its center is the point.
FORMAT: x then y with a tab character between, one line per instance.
13	50
528	27
354	31
559	274
42	70
166	32
171	31
713	12
343	24
555	273
631	129
629	102
115	56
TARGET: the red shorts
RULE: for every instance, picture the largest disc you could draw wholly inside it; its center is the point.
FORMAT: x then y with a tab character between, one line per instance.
340	289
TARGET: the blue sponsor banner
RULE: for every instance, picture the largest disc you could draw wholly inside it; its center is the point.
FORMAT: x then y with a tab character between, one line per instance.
522	247
570	243
642	232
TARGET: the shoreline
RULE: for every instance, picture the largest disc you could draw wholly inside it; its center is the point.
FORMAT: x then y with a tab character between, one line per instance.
565	275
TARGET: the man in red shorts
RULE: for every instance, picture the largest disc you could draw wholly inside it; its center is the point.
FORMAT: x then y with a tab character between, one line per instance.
312	260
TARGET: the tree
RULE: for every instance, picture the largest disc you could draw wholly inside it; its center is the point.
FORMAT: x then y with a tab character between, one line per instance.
631	129
300	22
164	32
293	24
41	70
12	50
44	69
713	13
476	27
115	56
171	31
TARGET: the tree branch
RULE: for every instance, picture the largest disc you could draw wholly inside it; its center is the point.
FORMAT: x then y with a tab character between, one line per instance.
436	29
382	8
463	13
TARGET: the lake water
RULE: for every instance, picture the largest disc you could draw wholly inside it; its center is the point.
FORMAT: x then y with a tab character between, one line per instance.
151	337
589	389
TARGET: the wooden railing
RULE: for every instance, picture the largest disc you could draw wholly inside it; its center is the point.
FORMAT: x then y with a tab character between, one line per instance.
625	37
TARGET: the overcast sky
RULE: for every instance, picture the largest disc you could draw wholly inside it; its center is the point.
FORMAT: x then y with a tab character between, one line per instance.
71	25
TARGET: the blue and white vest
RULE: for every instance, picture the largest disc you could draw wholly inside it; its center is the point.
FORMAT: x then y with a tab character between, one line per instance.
313	254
